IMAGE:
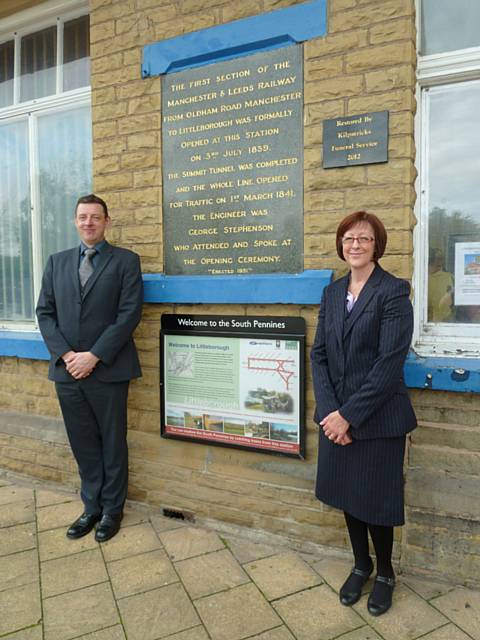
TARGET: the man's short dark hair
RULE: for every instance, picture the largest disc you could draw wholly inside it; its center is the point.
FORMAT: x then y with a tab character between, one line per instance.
92	199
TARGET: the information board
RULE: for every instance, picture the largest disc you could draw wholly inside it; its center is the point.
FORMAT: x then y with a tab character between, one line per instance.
232	156
234	380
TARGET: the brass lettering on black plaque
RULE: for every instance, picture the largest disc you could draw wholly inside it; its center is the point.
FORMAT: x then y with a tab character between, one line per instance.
361	139
232	146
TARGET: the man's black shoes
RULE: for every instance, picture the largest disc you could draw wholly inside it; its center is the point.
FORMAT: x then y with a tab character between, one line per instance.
108	527
351	589
83	525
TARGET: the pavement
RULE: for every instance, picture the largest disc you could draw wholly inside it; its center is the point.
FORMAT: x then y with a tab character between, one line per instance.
167	578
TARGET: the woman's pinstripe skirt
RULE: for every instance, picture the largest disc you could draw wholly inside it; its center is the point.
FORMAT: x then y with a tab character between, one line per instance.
364	478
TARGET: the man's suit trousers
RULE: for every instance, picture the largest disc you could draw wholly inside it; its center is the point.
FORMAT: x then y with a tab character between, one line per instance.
95	416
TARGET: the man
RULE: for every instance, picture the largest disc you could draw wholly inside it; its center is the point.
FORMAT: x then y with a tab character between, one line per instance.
89	305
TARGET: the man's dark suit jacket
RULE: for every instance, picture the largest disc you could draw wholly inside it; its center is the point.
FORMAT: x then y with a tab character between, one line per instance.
357	359
101	320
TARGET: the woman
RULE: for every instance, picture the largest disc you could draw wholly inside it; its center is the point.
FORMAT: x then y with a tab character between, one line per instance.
363	336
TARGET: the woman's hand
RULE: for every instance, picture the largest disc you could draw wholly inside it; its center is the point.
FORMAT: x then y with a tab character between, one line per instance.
335	428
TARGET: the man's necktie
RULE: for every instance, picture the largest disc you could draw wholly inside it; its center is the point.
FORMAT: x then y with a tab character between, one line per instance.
86	266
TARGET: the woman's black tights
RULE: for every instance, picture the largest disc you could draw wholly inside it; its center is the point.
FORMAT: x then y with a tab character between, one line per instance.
382	538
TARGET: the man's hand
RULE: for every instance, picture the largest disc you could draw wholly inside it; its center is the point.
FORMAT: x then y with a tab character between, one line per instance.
335	428
80	364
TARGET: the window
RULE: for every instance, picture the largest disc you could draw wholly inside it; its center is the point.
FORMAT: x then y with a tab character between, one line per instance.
447	282
45	142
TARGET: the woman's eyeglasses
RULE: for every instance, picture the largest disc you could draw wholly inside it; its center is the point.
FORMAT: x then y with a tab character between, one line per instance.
348	240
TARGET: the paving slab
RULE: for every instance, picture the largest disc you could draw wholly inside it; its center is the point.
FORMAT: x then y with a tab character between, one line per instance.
133	516
409	617
160	523
73	572
45	498
58	515
79	612
130	541
316	614
32	633
280	633
18	569
210	573
12	493
462	606
142	572
18	538
364	633
188	542
247	551
158	613
197	633
17	513
426	588
20	608
282	574
55	544
448	632
237	613
112	633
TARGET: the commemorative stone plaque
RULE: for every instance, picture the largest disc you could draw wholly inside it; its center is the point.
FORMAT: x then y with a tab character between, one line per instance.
350	140
232	146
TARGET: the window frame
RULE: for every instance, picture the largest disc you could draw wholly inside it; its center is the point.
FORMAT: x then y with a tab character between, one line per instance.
436	70
14	28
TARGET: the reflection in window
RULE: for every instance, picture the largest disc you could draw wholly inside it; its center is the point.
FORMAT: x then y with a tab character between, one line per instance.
16	281
447	25
454	203
38	64
76	54
65	170
6	73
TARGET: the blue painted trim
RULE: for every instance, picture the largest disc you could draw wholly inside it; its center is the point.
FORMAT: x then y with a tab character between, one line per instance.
281	288
443	374
239	38
23	344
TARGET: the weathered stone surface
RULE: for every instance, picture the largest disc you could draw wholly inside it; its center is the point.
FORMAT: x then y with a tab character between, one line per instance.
309	614
409	617
158	613
237	613
463	608
55	544
246	551
448	632
20	608
45	498
17	513
31	633
79	612
187	542
282	574
12	493
58	515
17	538
112	633
73	572
210	573
18	569
128	540
140	573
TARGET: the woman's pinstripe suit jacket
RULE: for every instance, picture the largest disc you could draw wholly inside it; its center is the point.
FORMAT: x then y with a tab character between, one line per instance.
357	360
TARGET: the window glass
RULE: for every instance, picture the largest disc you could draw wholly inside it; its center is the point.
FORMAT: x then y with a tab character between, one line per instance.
38	53
65	173
448	25
76	54
16	281
454	204
6	73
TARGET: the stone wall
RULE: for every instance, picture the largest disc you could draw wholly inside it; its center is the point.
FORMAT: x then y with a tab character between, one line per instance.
365	63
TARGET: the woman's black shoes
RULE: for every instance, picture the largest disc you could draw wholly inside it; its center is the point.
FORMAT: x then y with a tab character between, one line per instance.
351	589
380	600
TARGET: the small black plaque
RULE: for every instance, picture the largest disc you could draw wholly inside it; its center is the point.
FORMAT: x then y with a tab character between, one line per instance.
360	139
232	145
